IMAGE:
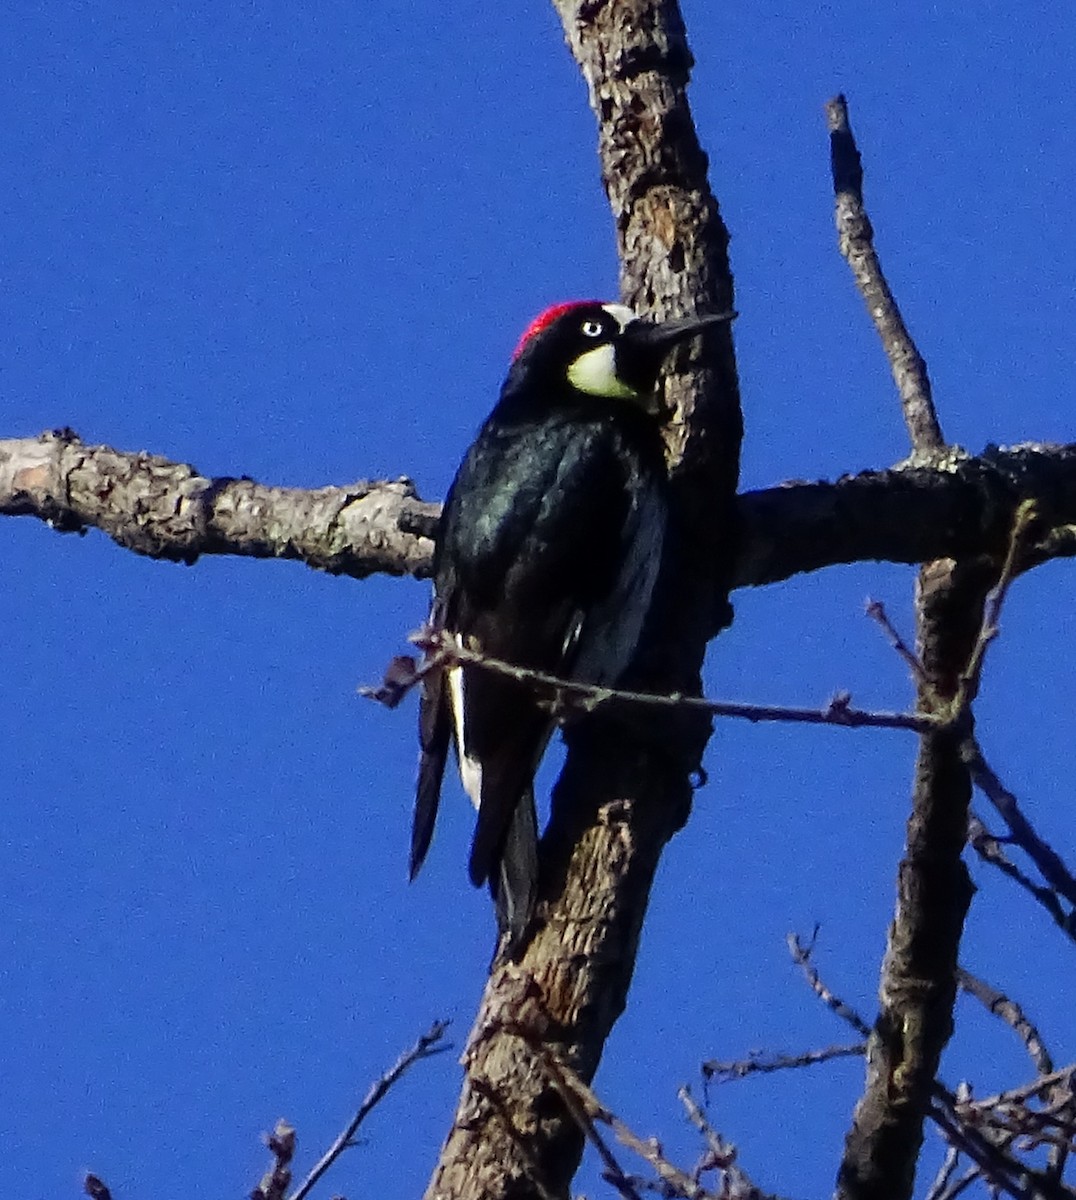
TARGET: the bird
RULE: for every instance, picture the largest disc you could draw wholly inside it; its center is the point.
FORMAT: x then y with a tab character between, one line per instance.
547	552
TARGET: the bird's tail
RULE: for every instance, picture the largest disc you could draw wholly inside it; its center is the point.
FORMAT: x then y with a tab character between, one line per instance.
514	883
500	736
435	727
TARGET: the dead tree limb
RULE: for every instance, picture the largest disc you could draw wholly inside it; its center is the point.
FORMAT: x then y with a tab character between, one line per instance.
957	507
167	510
917	990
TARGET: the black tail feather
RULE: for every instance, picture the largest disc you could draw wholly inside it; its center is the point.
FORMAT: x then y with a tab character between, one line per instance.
514	881
435	726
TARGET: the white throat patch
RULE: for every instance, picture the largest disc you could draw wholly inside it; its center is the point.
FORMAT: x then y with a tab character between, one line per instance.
594	374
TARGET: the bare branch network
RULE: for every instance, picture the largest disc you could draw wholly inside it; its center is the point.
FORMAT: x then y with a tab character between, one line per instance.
527	1105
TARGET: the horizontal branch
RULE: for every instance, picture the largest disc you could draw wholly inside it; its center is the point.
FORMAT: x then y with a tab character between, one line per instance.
961	506
716	1071
562	697
165	509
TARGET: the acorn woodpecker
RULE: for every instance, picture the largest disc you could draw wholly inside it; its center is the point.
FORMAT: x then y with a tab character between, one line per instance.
547	552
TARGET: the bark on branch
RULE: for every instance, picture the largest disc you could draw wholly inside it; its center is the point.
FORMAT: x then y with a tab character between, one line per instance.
917	989
167	510
958	507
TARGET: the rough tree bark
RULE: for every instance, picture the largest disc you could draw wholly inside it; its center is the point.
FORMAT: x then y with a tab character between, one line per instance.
957	506
918	982
619	799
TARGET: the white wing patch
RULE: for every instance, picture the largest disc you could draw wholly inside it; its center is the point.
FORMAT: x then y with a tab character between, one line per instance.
470	767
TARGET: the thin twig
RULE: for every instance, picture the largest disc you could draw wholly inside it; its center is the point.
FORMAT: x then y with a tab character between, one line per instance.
586	1109
944	1187
1023	520
720	1155
801	956
876	611
725	1072
946	1171
916	986
1033	1127
1021	832
971	1176
991	850
987	1148
1064	1077
585	1106
857	247
428	1045
567	695
404	672
994	1164
991	1131
1012	1014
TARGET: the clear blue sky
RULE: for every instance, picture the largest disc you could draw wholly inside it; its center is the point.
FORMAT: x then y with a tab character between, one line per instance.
298	242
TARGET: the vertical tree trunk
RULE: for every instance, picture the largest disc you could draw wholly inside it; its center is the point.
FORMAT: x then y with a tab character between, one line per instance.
625	790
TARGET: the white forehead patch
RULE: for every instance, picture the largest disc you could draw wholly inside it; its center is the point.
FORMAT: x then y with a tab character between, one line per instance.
621	314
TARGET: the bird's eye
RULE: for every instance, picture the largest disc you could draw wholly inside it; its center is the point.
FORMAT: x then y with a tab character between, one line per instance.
592	329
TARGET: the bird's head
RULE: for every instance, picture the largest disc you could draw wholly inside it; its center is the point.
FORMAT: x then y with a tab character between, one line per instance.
595	349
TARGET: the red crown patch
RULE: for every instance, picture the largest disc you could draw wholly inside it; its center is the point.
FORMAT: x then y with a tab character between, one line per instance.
545	319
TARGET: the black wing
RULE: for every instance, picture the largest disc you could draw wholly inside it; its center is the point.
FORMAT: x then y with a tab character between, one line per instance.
538	531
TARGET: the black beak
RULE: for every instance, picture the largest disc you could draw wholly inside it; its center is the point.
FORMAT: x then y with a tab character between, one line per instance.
643	346
660	338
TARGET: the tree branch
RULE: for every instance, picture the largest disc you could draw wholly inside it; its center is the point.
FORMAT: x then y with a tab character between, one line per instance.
1012	1014
991	850
429	1044
917	990
766	1064
564	698
857	247
1022	833
961	507
996	1131
167	510
801	956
